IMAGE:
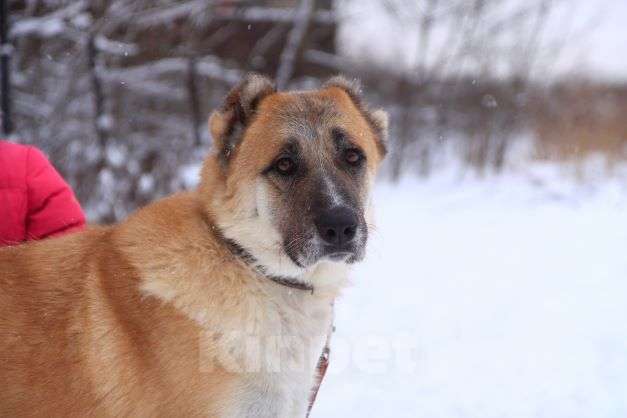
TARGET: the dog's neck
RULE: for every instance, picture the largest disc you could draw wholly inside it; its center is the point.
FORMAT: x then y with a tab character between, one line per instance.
266	260
180	262
251	261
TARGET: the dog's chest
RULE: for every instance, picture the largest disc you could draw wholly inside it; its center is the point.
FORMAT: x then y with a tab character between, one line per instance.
279	359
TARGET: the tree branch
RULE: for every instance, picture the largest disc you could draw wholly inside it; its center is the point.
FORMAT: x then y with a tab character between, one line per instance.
295	39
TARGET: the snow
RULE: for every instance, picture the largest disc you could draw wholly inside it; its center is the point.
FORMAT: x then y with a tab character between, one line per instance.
190	175
112	47
50	25
496	297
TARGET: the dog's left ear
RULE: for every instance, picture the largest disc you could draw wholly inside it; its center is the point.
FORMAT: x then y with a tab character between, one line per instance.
377	119
227	125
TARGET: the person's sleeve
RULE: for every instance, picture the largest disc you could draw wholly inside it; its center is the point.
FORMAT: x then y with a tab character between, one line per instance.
52	207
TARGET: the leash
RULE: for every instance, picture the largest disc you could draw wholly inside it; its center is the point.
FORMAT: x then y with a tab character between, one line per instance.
323	364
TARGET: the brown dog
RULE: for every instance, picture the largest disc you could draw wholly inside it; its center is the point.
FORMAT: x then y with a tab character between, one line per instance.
214	302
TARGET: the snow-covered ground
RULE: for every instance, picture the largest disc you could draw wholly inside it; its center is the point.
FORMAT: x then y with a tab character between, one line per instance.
501	297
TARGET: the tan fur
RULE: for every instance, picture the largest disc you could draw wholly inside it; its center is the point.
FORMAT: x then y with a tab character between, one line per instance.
152	317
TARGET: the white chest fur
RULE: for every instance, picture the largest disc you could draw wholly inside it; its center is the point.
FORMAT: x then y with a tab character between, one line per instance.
278	359
271	336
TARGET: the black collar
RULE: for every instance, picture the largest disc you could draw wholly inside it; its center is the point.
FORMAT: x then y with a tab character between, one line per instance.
251	261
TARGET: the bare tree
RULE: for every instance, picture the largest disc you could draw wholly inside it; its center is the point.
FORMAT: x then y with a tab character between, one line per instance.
302	16
117	92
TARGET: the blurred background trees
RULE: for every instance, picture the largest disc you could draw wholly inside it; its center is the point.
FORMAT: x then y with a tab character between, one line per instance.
118	92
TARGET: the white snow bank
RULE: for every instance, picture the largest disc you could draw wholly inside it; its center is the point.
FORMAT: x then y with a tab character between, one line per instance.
505	297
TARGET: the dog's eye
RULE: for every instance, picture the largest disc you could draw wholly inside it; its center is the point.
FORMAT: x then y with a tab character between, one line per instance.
353	156
285	166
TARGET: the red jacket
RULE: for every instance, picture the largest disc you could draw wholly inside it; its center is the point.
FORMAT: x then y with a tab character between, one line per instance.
35	202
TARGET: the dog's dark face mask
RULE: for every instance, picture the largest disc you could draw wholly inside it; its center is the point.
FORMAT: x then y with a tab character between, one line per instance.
319	180
318	184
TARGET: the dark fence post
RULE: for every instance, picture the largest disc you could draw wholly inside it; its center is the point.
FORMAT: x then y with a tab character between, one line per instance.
100	116
6	50
194	100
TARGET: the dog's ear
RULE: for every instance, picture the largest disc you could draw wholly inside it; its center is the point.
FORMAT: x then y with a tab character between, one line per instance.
228	123
351	87
377	119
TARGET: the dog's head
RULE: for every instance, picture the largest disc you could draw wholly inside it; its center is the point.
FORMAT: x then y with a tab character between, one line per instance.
290	175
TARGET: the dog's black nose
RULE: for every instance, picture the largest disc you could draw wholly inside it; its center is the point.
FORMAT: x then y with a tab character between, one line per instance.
337	226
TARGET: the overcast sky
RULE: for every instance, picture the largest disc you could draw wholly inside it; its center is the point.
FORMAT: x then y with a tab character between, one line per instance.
606	51
597	30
